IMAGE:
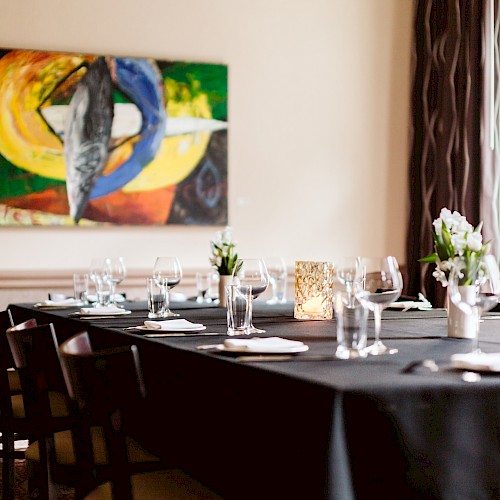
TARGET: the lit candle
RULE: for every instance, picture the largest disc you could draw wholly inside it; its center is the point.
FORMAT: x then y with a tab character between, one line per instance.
314	305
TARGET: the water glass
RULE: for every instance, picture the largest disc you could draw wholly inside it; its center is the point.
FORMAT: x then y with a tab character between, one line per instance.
81	287
239	309
157	298
351	316
103	290
203	283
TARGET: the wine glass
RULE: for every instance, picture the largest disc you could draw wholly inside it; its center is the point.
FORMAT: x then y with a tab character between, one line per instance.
116	272
348	272
380	284
252	272
168	273
474	287
276	268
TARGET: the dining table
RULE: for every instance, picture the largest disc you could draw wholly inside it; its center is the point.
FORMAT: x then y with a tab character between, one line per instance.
309	425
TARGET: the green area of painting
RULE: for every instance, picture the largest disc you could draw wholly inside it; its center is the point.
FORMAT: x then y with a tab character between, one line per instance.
18	182
210	79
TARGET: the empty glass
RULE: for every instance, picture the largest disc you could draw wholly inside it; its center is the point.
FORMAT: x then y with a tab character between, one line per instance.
116	271
239	309
168	273
81	287
203	284
157	298
382	285
277	270
252	272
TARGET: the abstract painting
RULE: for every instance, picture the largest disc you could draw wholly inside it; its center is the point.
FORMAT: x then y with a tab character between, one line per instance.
99	140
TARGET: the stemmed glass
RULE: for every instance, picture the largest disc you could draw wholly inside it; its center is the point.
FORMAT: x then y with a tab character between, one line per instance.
348	272
382	284
276	268
252	272
475	289
168	273
116	272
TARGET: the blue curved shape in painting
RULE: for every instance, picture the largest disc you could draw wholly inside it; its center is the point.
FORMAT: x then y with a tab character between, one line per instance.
140	81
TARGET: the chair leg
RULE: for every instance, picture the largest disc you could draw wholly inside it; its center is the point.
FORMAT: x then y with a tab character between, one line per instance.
8	473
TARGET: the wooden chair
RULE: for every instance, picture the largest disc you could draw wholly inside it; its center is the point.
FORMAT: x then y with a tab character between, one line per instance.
107	384
14	425
47	406
54	457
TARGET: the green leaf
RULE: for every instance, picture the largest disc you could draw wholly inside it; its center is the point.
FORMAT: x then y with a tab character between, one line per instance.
433	257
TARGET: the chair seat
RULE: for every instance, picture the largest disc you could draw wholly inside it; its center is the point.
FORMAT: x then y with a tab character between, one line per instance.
57	400
14	380
65	453
172	484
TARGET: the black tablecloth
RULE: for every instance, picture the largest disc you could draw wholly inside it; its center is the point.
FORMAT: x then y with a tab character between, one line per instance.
335	429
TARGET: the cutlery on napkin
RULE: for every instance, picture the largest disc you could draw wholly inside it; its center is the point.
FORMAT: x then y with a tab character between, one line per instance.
174	325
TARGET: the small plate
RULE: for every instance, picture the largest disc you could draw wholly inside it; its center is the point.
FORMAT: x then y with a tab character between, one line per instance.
263	350
164	330
101	314
41	305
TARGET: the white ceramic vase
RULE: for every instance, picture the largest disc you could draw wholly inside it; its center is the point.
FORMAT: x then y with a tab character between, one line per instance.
224	279
461	325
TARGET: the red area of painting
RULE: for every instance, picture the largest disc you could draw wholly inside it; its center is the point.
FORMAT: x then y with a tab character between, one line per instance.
53	201
141	208
148	207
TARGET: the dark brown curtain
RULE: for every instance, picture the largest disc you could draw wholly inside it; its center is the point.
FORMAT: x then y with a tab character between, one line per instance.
445	160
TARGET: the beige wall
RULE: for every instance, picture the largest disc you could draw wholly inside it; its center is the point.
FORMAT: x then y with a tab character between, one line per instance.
318	109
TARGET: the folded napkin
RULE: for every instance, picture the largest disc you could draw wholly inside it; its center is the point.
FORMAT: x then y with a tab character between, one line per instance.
477	361
70	301
174	325
102	311
269	344
422	304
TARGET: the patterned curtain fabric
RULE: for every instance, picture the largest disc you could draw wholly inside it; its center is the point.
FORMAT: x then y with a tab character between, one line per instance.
490	150
447	104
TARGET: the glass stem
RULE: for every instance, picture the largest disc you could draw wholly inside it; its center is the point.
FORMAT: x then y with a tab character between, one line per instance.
167	299
112	291
377	316
475	340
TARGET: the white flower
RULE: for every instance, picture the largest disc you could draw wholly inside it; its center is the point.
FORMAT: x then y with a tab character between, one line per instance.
474	241
454	238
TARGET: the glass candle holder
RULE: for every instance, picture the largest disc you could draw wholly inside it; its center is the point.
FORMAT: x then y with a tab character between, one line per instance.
313	290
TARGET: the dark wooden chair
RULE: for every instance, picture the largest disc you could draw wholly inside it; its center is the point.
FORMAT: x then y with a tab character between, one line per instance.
47	406
14	425
55	456
107	385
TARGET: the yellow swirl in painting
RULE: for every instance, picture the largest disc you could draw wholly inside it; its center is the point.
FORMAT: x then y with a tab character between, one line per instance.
26	81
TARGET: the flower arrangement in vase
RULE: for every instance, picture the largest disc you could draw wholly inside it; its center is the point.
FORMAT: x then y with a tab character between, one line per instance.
456	240
457	245
223	259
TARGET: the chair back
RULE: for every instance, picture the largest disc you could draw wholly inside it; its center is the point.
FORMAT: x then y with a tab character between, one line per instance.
36	356
101	381
106	384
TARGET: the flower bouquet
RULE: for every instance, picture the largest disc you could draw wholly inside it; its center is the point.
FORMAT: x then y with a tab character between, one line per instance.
224	254
456	244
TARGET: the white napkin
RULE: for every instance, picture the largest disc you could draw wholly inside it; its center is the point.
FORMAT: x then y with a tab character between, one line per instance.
484	361
269	344
174	325
422	304
70	301
102	311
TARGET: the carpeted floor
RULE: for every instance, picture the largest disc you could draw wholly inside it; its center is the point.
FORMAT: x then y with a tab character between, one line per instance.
21	486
